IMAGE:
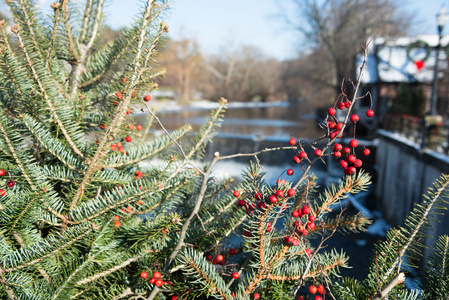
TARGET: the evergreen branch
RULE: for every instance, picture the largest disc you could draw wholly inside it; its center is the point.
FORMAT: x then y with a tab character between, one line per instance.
400	278
68	29
146	150
18	262
115	268
85	26
47	99
197	266
204	134
78	67
175	142
332	266
118	119
28	21
8	290
53	145
439	188
15	155
57	9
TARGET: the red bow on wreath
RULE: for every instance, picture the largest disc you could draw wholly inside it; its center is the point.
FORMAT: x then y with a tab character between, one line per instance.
419	63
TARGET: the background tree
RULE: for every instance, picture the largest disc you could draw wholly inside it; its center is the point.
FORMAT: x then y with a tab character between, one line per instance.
339	27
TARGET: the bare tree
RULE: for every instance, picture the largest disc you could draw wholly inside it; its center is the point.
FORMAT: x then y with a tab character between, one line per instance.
339	26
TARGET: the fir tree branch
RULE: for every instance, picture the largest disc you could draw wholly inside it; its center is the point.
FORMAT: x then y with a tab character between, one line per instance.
8	290
68	29
78	67
85	26
118	119
175	142
418	227
16	157
57	9
394	282
47	99
30	263
115	268
28	20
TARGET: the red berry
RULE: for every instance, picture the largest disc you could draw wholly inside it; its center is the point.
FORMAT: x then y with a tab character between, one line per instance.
331	111
338	147
209	257
291	192
353	143
124	80
310	226
366	152
236	193
321	289
331	125
235	275
347	104
280	194
158	283
121	149
256	296
339	126
295	214
102	126
232	251
296	159
295	242
119	95
346	150
144	275
292	141
308	251
352	170
259	196
152	280
119	145
354	118
306	210
318	298
318	153
332	135
300	298
2	192
290	172
369	113
128	139
219	258
139	127
156	275
312	289
131	126
273	199
241	202
147	98
312	218
357	163
340	105
2	172
113	147
351	158
11	184
337	154
302	155
343	163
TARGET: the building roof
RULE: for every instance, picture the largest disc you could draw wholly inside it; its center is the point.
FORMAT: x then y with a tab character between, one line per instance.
395	60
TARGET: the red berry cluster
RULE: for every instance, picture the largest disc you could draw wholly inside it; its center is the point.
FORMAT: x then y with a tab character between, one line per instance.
319	288
156	279
9	182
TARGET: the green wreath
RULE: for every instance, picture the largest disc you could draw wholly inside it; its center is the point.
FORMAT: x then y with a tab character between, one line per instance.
419	44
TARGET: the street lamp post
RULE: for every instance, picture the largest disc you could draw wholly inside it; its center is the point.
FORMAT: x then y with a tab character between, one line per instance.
442	18
431	119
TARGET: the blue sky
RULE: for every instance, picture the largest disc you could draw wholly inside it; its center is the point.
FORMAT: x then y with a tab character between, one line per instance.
219	25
